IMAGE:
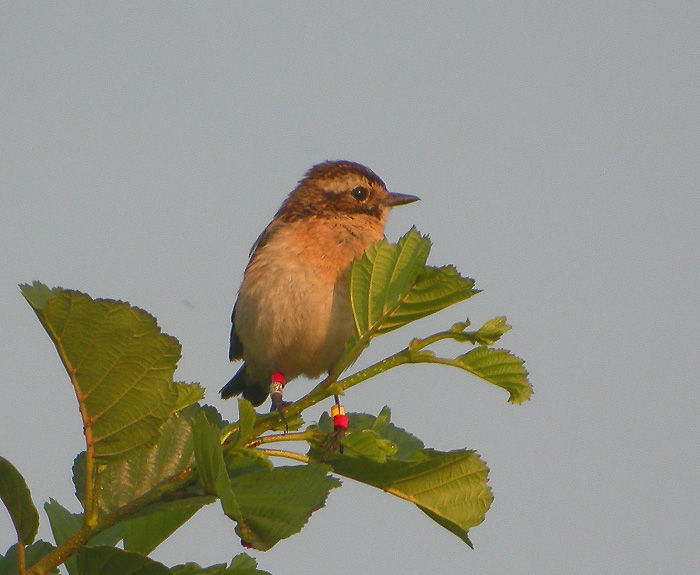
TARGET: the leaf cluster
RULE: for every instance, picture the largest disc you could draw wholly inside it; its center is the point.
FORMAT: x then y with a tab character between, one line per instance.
154	455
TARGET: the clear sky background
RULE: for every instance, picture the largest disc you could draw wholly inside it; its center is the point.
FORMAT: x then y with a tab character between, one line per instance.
556	149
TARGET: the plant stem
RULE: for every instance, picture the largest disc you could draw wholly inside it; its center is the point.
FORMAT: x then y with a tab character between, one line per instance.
90	487
300	436
390	362
21	557
287	454
91	490
330	386
233	429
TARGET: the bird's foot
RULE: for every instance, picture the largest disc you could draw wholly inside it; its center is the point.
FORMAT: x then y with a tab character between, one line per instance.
276	387
332	442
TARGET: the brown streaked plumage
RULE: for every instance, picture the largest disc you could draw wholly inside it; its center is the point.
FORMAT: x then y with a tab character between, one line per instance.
293	313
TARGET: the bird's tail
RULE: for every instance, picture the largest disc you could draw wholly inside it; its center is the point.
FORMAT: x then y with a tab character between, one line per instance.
254	391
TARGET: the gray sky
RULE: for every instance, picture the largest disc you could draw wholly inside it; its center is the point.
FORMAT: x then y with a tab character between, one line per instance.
555	148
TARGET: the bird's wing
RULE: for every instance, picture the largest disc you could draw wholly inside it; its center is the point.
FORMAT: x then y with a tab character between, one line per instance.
235	351
262	239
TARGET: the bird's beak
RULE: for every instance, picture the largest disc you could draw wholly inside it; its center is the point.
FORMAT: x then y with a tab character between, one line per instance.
400	199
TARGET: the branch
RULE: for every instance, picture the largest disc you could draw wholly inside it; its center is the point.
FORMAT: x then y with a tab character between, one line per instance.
299	436
287	454
332	386
21	557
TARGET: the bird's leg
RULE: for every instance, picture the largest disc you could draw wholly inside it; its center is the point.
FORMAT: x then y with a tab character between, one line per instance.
340	426
276	386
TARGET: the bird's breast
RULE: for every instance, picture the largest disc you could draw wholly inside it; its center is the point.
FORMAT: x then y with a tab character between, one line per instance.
293	313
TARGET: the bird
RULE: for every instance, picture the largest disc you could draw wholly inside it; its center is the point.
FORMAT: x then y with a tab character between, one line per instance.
293	315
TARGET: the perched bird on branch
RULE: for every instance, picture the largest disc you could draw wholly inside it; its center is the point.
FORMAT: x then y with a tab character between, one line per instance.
293	315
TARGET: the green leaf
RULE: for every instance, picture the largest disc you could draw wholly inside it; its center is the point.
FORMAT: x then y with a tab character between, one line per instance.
500	367
497	366
382	278
113	561
275	504
79	477
110	536
119	363
368	443
246	417
268	505
196	569
37	294
450	487
242	564
375	438
187	394
123	481
486	335
32	554
246	422
211	466
18	501
207	452
244	460
491	331
143	534
434	290
390	285
407	444
64	524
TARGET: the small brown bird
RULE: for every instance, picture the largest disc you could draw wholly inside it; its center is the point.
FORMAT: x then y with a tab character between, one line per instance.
293	315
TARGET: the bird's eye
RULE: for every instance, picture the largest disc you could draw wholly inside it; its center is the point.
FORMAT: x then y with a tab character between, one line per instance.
360	193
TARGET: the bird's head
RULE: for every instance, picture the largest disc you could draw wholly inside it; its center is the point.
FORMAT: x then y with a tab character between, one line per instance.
341	189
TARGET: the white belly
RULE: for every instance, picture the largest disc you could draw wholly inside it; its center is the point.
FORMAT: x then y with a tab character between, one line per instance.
294	320
293	313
